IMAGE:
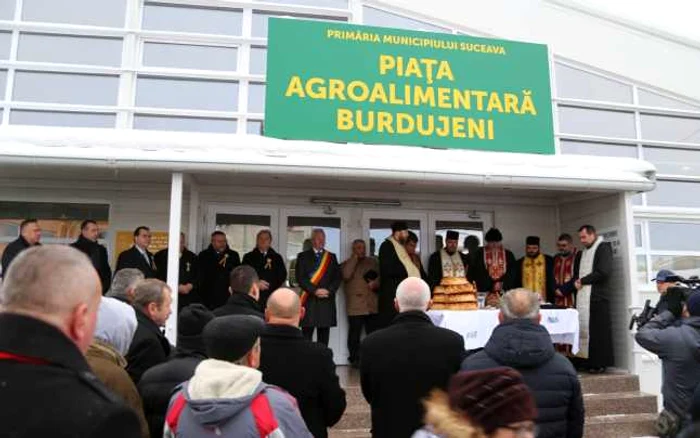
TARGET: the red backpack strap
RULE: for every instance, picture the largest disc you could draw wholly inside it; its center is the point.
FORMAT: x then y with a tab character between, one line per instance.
265	420
174	414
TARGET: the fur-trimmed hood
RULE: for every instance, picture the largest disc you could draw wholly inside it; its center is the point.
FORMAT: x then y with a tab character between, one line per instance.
443	422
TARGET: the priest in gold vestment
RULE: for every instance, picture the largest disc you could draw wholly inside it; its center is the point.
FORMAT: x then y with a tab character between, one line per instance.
536	271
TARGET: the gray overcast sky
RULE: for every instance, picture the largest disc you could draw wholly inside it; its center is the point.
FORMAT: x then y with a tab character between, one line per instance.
680	17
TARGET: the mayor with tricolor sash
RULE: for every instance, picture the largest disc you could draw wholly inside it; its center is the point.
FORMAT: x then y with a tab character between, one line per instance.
318	275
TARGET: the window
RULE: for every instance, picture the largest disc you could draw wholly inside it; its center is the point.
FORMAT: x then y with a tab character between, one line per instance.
66	88
66	49
339	4
604	149
261	18
574	120
578	84
675	194
254	127
7	9
190	57
674	236
638	242
674	161
186	94
642	272
647	98
192	19
464	228
683	265
62	118
89	12
380	229
258	60
679	129
194	124
377	17
256	98
5	41
3	82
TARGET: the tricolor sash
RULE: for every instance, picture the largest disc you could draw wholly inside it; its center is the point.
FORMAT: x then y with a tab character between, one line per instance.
317	274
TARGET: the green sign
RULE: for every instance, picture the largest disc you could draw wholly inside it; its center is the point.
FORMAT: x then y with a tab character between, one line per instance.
346	83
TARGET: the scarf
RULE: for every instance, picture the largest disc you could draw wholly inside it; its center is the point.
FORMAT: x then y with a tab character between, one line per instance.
411	269
583	297
452	265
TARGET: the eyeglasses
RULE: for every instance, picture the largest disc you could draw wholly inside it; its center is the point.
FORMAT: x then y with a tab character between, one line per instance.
524	430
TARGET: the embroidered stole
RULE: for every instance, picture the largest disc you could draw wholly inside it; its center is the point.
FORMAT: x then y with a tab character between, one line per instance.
583	298
405	259
534	275
495	261
452	265
315	277
563	273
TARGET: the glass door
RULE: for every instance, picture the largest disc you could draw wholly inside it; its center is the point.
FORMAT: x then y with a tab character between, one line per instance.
241	225
377	228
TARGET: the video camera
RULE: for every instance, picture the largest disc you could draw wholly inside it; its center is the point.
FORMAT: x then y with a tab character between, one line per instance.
678	294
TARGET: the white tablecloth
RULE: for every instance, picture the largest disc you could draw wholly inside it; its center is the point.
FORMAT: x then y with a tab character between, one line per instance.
476	326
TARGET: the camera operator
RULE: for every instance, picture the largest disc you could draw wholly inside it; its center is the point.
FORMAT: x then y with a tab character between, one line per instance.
664	279
678	346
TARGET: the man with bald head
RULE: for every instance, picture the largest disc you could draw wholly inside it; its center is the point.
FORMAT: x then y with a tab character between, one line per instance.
304	368
520	342
50	297
401	364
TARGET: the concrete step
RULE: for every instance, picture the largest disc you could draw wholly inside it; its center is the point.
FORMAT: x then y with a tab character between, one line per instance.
353	394
620	426
612	382
354	418
352	433
615	403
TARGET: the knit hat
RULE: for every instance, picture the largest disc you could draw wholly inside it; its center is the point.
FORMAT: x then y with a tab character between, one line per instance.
190	324
492	398
229	338
693	304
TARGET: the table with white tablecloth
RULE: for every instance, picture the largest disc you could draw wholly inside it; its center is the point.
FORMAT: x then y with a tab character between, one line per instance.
476	326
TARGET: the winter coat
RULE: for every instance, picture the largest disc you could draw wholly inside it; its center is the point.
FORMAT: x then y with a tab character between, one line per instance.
148	349
360	299
98	256
320	312
400	365
49	390
678	347
240	304
218	402
270	268
158	384
527	347
188	273
108	365
11	252
307	371
214	271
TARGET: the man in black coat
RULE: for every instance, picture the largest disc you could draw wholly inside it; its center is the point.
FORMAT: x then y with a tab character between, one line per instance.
215	265
245	293
520	342
400	365
48	388
149	347
29	235
305	369
138	256
87	243
157	384
447	261
188	277
318	275
268	264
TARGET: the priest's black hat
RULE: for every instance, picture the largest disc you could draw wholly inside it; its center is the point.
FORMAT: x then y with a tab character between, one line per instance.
452	235
493	235
399	226
532	240
230	338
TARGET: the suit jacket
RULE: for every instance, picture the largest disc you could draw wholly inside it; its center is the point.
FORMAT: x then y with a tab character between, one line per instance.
214	271
148	348
61	397
320	312
188	274
11	251
132	258
435	268
270	268
400	365
306	370
98	256
550	284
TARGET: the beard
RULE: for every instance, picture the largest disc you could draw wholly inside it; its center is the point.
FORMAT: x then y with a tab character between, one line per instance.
565	253
532	256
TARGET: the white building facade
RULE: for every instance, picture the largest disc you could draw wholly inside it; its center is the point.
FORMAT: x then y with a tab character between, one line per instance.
105	107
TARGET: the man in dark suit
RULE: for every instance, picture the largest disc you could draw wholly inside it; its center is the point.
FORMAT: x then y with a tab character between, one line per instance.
87	243
318	275
215	265
149	347
29	235
138	256
305	369
268	264
402	363
245	292
51	296
188	277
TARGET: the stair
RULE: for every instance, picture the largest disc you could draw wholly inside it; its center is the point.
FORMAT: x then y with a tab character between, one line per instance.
614	407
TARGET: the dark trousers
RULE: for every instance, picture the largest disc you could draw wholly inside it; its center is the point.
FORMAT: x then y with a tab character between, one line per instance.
322	334
356	324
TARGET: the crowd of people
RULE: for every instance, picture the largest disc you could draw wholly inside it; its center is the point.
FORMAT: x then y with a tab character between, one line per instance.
245	363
